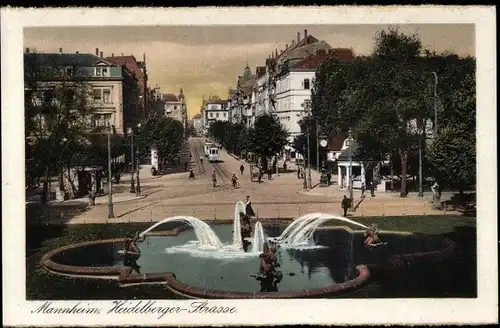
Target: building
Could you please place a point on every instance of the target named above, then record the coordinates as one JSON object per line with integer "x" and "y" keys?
{"x": 175, "y": 106}
{"x": 115, "y": 93}
{"x": 293, "y": 90}
{"x": 198, "y": 124}
{"x": 138, "y": 69}
{"x": 215, "y": 110}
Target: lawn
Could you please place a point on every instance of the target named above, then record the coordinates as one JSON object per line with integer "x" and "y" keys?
{"x": 42, "y": 285}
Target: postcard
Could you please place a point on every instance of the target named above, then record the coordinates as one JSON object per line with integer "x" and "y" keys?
{"x": 249, "y": 166}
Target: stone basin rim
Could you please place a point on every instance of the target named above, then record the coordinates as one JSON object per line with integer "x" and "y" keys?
{"x": 125, "y": 277}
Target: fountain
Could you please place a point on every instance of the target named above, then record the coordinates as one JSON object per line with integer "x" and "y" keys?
{"x": 301, "y": 230}
{"x": 238, "y": 208}
{"x": 258, "y": 238}
{"x": 205, "y": 235}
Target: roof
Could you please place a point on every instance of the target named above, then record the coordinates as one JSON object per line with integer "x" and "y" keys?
{"x": 344, "y": 155}
{"x": 313, "y": 62}
{"x": 305, "y": 41}
{"x": 260, "y": 71}
{"x": 130, "y": 62}
{"x": 63, "y": 59}
{"x": 336, "y": 142}
{"x": 218, "y": 101}
{"x": 169, "y": 97}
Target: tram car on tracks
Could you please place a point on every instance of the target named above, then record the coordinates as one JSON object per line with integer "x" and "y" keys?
{"x": 208, "y": 145}
{"x": 213, "y": 154}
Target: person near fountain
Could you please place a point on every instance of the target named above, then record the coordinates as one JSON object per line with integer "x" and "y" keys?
{"x": 248, "y": 207}
{"x": 242, "y": 168}
{"x": 345, "y": 204}
{"x": 130, "y": 246}
{"x": 371, "y": 236}
{"x": 363, "y": 189}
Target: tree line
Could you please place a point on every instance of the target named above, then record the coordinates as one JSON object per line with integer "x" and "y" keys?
{"x": 265, "y": 139}
{"x": 387, "y": 99}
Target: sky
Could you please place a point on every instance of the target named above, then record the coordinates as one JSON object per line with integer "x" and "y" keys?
{"x": 206, "y": 60}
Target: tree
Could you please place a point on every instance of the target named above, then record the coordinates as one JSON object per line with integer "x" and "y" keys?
{"x": 453, "y": 152}
{"x": 57, "y": 108}
{"x": 267, "y": 137}
{"x": 163, "y": 133}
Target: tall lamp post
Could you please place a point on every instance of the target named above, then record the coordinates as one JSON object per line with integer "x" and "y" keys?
{"x": 138, "y": 188}
{"x": 304, "y": 172}
{"x": 132, "y": 166}
{"x": 420, "y": 171}
{"x": 351, "y": 196}
{"x": 307, "y": 112}
{"x": 111, "y": 215}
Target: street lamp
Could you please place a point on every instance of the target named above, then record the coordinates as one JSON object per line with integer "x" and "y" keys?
{"x": 420, "y": 170}
{"x": 132, "y": 166}
{"x": 110, "y": 178}
{"x": 351, "y": 197}
{"x": 307, "y": 112}
{"x": 138, "y": 188}
{"x": 304, "y": 172}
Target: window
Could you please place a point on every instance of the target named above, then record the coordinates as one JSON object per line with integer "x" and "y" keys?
{"x": 106, "y": 96}
{"x": 175, "y": 107}
{"x": 69, "y": 71}
{"x": 101, "y": 71}
{"x": 97, "y": 95}
{"x": 101, "y": 120}
{"x": 306, "y": 84}
{"x": 211, "y": 114}
{"x": 225, "y": 114}
{"x": 217, "y": 115}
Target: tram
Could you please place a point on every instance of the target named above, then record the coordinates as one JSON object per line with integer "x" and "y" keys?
{"x": 213, "y": 154}
{"x": 208, "y": 145}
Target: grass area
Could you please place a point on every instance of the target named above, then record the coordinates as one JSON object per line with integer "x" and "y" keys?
{"x": 40, "y": 239}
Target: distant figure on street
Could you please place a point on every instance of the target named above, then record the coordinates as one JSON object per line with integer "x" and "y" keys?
{"x": 242, "y": 168}
{"x": 191, "y": 174}
{"x": 363, "y": 189}
{"x": 269, "y": 173}
{"x": 345, "y": 204}
{"x": 248, "y": 207}
{"x": 298, "y": 173}
{"x": 214, "y": 179}
{"x": 372, "y": 188}
{"x": 201, "y": 159}
{"x": 234, "y": 181}
{"x": 261, "y": 173}
{"x": 284, "y": 167}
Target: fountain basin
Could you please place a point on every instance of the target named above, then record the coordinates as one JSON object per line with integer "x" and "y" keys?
{"x": 100, "y": 259}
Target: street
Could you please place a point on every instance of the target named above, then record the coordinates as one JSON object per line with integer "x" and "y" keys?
{"x": 282, "y": 197}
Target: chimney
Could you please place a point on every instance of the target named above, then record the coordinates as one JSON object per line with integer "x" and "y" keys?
{"x": 144, "y": 56}
{"x": 286, "y": 47}
{"x": 97, "y": 51}
{"x": 305, "y": 34}
{"x": 27, "y": 50}
{"x": 298, "y": 37}
{"x": 101, "y": 54}
{"x": 122, "y": 54}
{"x": 112, "y": 55}
{"x": 276, "y": 53}
{"x": 293, "y": 42}
{"x": 60, "y": 50}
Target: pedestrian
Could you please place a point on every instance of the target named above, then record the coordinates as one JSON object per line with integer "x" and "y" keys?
{"x": 363, "y": 189}
{"x": 191, "y": 174}
{"x": 345, "y": 204}
{"x": 214, "y": 179}
{"x": 248, "y": 207}
{"x": 242, "y": 168}
{"x": 261, "y": 173}
{"x": 269, "y": 173}
{"x": 372, "y": 188}
{"x": 284, "y": 166}
{"x": 298, "y": 173}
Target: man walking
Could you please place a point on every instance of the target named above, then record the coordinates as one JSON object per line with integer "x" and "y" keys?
{"x": 242, "y": 168}
{"x": 345, "y": 204}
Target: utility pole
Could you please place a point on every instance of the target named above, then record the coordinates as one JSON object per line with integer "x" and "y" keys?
{"x": 111, "y": 215}
{"x": 132, "y": 166}
{"x": 351, "y": 197}
{"x": 318, "y": 165}
{"x": 420, "y": 174}
{"x": 309, "y": 158}
{"x": 304, "y": 169}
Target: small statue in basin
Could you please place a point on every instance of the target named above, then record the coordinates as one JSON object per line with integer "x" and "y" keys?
{"x": 269, "y": 276}
{"x": 245, "y": 230}
{"x": 371, "y": 237}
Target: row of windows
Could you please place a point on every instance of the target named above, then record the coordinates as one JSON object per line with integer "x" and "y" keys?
{"x": 103, "y": 95}
{"x": 286, "y": 85}
{"x": 211, "y": 115}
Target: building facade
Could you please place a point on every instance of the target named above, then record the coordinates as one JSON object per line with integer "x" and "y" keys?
{"x": 175, "y": 106}
{"x": 115, "y": 93}
{"x": 215, "y": 110}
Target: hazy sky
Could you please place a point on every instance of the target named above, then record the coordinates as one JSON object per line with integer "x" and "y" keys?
{"x": 207, "y": 60}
